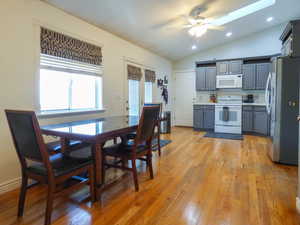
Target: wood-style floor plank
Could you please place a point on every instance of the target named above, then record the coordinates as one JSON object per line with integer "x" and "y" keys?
{"x": 198, "y": 181}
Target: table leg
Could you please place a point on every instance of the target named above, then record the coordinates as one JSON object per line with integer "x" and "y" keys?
{"x": 97, "y": 153}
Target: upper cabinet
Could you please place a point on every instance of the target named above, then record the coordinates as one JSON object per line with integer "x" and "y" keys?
{"x": 229, "y": 67}
{"x": 206, "y": 78}
{"x": 255, "y": 76}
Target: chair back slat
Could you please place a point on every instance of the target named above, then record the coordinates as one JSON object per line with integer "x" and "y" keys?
{"x": 148, "y": 120}
{"x": 24, "y": 133}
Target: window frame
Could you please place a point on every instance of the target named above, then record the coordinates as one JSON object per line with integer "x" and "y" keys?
{"x": 98, "y": 97}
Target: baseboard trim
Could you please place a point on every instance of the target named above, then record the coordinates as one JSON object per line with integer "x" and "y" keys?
{"x": 298, "y": 204}
{"x": 10, "y": 185}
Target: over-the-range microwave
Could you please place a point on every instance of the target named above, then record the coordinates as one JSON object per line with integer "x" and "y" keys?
{"x": 229, "y": 81}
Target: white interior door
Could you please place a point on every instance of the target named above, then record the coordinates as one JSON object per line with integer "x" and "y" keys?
{"x": 184, "y": 97}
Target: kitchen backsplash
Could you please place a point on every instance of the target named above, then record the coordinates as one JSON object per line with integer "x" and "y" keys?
{"x": 203, "y": 97}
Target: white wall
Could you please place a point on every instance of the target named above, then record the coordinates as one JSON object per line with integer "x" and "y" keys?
{"x": 258, "y": 44}
{"x": 19, "y": 63}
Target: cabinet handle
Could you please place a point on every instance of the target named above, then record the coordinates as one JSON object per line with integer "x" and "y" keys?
{"x": 298, "y": 118}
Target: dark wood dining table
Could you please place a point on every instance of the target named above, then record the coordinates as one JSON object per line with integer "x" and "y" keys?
{"x": 96, "y": 132}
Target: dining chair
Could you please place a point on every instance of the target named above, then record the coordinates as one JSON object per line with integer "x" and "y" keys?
{"x": 156, "y": 136}
{"x": 138, "y": 149}
{"x": 37, "y": 164}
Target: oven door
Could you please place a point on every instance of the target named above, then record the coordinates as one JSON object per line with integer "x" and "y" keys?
{"x": 227, "y": 115}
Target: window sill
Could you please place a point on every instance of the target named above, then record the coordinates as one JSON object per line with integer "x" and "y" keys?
{"x": 63, "y": 113}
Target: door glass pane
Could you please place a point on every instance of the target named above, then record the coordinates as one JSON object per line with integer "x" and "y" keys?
{"x": 148, "y": 92}
{"x": 54, "y": 90}
{"x": 83, "y": 92}
{"x": 133, "y": 98}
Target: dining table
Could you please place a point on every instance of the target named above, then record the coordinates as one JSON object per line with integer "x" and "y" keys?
{"x": 95, "y": 132}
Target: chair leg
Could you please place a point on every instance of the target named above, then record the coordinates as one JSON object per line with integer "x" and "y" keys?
{"x": 149, "y": 162}
{"x": 92, "y": 184}
{"x": 103, "y": 168}
{"x": 135, "y": 175}
{"x": 49, "y": 207}
{"x": 158, "y": 145}
{"x": 22, "y": 196}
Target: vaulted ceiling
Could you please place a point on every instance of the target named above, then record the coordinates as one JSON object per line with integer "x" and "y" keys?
{"x": 157, "y": 25}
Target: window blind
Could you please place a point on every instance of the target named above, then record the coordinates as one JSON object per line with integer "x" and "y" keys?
{"x": 67, "y": 65}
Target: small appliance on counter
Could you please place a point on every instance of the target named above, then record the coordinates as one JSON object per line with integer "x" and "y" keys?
{"x": 212, "y": 98}
{"x": 248, "y": 99}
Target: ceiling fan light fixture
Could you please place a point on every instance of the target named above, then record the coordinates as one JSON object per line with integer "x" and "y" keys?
{"x": 198, "y": 31}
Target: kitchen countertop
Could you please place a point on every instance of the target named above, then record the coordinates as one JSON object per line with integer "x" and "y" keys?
{"x": 210, "y": 103}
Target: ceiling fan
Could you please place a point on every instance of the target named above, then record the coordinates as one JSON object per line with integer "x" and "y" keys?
{"x": 197, "y": 24}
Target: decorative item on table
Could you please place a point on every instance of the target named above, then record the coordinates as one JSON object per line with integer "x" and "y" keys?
{"x": 213, "y": 98}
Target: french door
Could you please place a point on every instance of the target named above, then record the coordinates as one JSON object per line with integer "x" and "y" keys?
{"x": 137, "y": 93}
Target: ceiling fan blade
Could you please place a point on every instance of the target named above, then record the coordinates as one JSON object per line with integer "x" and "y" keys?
{"x": 187, "y": 26}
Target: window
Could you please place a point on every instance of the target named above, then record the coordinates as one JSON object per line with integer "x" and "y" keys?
{"x": 148, "y": 92}
{"x": 134, "y": 97}
{"x": 69, "y": 85}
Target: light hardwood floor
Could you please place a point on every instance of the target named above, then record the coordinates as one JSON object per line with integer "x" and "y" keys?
{"x": 198, "y": 181}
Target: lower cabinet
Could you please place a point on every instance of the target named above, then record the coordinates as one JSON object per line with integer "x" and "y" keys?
{"x": 255, "y": 120}
{"x": 204, "y": 117}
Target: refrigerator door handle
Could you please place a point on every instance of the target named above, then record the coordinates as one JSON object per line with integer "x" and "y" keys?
{"x": 267, "y": 95}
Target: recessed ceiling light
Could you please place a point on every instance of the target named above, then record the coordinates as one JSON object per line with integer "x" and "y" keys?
{"x": 270, "y": 19}
{"x": 194, "y": 47}
{"x": 228, "y": 34}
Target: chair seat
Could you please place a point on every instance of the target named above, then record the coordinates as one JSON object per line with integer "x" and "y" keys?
{"x": 124, "y": 150}
{"x": 55, "y": 146}
{"x": 61, "y": 165}
{"x": 80, "y": 154}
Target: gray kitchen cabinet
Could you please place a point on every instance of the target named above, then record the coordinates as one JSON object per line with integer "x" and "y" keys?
{"x": 204, "y": 117}
{"x": 206, "y": 78}
{"x": 260, "y": 120}
{"x": 198, "y": 119}
{"x": 255, "y": 120}
{"x": 223, "y": 68}
{"x": 249, "y": 76}
{"x": 247, "y": 121}
{"x": 229, "y": 67}
{"x": 255, "y": 76}
{"x": 235, "y": 67}
{"x": 209, "y": 119}
{"x": 262, "y": 73}
{"x": 200, "y": 79}
{"x": 210, "y": 78}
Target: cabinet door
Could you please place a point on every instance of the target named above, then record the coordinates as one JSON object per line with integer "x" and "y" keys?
{"x": 210, "y": 78}
{"x": 262, "y": 73}
{"x": 209, "y": 119}
{"x": 261, "y": 122}
{"x": 198, "y": 119}
{"x": 222, "y": 68}
{"x": 247, "y": 121}
{"x": 235, "y": 67}
{"x": 249, "y": 76}
{"x": 200, "y": 79}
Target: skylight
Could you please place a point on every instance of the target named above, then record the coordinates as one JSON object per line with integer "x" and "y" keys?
{"x": 245, "y": 11}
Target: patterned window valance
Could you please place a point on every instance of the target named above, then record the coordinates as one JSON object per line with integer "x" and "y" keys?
{"x": 150, "y": 76}
{"x": 134, "y": 73}
{"x": 60, "y": 45}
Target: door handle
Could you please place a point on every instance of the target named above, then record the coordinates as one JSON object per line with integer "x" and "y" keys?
{"x": 298, "y": 118}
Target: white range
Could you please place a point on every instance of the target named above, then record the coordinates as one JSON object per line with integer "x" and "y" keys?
{"x": 228, "y": 114}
